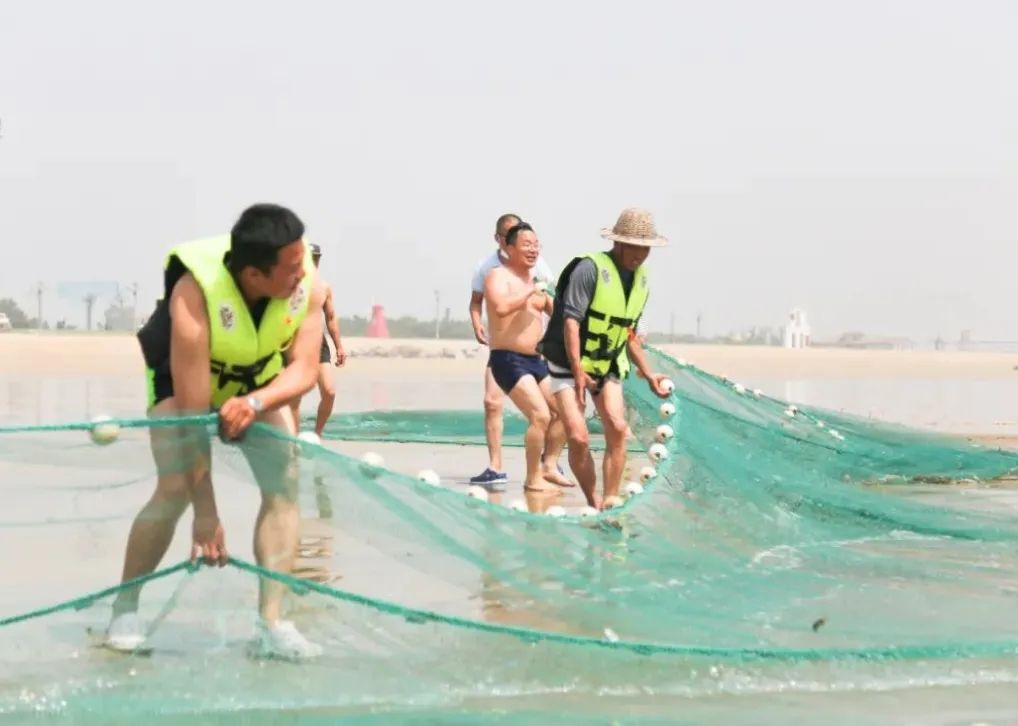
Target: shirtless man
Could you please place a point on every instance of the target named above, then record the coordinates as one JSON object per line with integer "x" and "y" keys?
{"x": 326, "y": 387}
{"x": 493, "y": 478}
{"x": 515, "y": 307}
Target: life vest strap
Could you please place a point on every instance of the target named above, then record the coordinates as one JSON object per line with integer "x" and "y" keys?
{"x": 245, "y": 375}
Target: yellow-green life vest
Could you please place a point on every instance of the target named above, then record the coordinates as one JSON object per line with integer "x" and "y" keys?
{"x": 242, "y": 357}
{"x": 610, "y": 318}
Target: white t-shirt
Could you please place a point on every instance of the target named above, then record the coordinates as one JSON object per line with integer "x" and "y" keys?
{"x": 541, "y": 271}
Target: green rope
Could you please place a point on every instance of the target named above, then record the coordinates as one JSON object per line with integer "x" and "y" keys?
{"x": 80, "y": 603}
{"x": 124, "y": 423}
{"x": 530, "y": 635}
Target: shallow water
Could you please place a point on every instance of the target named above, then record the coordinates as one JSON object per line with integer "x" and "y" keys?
{"x": 962, "y": 405}
{"x": 63, "y": 560}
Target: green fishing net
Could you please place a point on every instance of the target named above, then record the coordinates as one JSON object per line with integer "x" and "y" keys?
{"x": 772, "y": 547}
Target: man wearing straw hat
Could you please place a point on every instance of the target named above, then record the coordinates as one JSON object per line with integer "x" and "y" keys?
{"x": 592, "y": 338}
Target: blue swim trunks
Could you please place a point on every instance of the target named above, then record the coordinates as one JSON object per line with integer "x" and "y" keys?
{"x": 508, "y": 367}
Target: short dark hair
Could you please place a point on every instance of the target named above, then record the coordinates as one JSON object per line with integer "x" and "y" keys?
{"x": 258, "y": 235}
{"x": 505, "y": 218}
{"x": 514, "y": 232}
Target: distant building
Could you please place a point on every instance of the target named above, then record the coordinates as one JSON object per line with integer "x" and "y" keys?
{"x": 797, "y": 331}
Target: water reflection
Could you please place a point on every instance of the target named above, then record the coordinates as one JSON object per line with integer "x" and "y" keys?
{"x": 964, "y": 406}
{"x": 948, "y": 405}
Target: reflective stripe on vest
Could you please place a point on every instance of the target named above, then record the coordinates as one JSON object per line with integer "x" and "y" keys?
{"x": 241, "y": 356}
{"x": 606, "y": 329}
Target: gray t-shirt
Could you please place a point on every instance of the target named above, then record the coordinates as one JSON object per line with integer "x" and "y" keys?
{"x": 580, "y": 289}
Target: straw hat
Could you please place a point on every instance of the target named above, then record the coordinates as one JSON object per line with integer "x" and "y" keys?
{"x": 635, "y": 227}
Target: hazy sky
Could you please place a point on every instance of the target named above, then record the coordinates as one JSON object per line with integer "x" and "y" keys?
{"x": 858, "y": 159}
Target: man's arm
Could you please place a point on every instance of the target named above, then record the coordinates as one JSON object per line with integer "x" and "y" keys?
{"x": 192, "y": 390}
{"x": 332, "y": 323}
{"x": 189, "y": 347}
{"x": 476, "y": 298}
{"x": 575, "y": 301}
{"x": 638, "y": 355}
{"x": 549, "y": 304}
{"x": 641, "y": 329}
{"x": 301, "y": 374}
{"x": 572, "y": 340}
{"x": 498, "y": 297}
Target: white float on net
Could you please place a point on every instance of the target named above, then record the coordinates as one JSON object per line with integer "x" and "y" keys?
{"x": 633, "y": 488}
{"x": 429, "y": 477}
{"x": 104, "y": 430}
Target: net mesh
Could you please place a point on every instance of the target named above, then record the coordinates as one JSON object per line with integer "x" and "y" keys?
{"x": 774, "y": 544}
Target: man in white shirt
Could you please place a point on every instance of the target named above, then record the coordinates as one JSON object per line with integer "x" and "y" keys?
{"x": 493, "y": 477}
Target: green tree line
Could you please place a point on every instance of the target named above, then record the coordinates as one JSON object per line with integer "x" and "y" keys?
{"x": 408, "y": 326}
{"x": 17, "y": 316}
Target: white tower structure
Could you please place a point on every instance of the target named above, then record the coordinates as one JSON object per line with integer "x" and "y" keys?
{"x": 797, "y": 332}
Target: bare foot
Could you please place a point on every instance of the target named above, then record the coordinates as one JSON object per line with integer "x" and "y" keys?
{"x": 556, "y": 477}
{"x": 314, "y": 552}
{"x": 322, "y": 575}
{"x": 540, "y": 486}
{"x": 610, "y": 502}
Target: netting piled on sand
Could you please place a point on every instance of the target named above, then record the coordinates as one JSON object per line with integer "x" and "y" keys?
{"x": 772, "y": 544}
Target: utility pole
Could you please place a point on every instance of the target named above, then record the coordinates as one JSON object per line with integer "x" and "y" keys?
{"x": 438, "y": 321}
{"x": 89, "y": 302}
{"x": 698, "y": 316}
{"x": 38, "y": 305}
{"x": 134, "y": 305}
{"x": 671, "y": 328}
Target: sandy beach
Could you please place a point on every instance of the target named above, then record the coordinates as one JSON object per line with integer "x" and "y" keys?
{"x": 118, "y": 354}
{"x": 53, "y": 376}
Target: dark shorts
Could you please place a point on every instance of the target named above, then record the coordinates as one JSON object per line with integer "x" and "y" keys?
{"x": 508, "y": 367}
{"x": 325, "y": 355}
{"x": 160, "y": 384}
